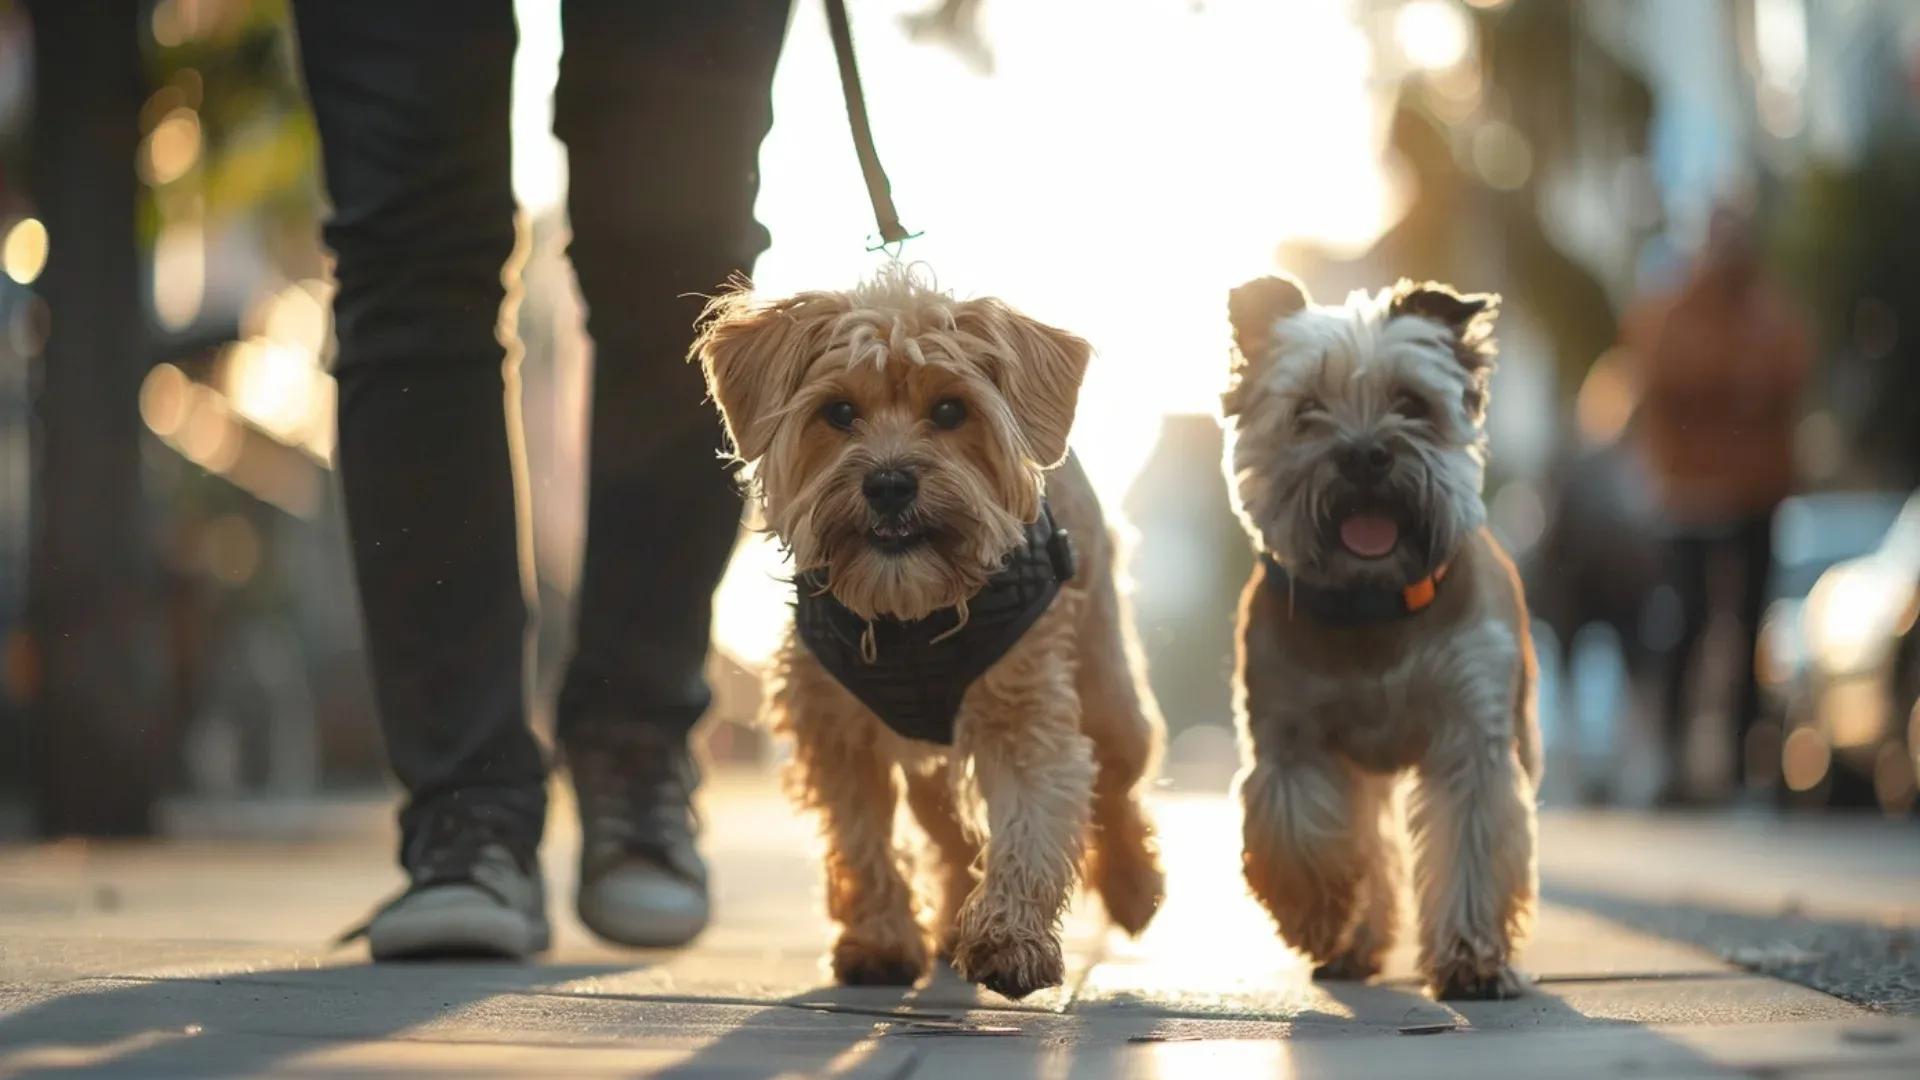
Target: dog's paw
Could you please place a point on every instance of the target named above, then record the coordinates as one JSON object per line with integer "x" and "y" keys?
{"x": 1365, "y": 952}
{"x": 1463, "y": 983}
{"x": 1353, "y": 965}
{"x": 1013, "y": 967}
{"x": 1131, "y": 887}
{"x": 859, "y": 961}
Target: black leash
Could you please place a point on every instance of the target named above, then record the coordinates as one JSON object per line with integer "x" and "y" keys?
{"x": 879, "y": 190}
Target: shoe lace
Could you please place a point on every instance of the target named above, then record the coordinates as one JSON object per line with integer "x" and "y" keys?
{"x": 635, "y": 789}
{"x": 453, "y": 839}
{"x": 445, "y": 850}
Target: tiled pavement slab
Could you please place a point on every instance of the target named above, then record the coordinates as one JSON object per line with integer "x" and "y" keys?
{"x": 209, "y": 959}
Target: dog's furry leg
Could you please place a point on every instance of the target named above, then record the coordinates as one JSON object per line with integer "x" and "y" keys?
{"x": 1305, "y": 851}
{"x": 1118, "y": 713}
{"x": 930, "y": 794}
{"x": 840, "y": 773}
{"x": 1473, "y": 832}
{"x": 1378, "y": 916}
{"x": 1035, "y": 770}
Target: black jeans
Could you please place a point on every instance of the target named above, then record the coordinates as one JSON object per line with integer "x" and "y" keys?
{"x": 662, "y": 107}
{"x": 1750, "y": 543}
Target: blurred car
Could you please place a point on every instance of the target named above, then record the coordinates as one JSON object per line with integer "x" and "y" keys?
{"x": 1839, "y": 655}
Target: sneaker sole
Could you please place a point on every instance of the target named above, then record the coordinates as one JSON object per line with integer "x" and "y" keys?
{"x": 650, "y": 931}
{"x": 459, "y": 935}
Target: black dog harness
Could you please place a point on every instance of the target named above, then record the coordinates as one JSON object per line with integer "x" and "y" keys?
{"x": 913, "y": 674}
{"x": 1352, "y": 605}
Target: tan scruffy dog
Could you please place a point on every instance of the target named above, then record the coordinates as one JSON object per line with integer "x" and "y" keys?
{"x": 1384, "y": 634}
{"x": 911, "y": 452}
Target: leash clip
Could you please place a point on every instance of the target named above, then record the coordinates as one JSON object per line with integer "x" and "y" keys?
{"x": 879, "y": 189}
{"x": 893, "y": 246}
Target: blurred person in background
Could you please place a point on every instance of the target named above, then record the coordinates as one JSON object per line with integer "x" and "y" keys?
{"x": 1722, "y": 362}
{"x": 662, "y": 108}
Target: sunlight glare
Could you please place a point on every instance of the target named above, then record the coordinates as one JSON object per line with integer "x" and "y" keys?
{"x": 1116, "y": 175}
{"x": 1432, "y": 34}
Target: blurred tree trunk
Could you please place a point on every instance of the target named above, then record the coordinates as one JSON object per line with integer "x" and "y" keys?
{"x": 94, "y": 725}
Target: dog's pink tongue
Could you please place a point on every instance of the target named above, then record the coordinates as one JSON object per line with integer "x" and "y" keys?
{"x": 1369, "y": 536}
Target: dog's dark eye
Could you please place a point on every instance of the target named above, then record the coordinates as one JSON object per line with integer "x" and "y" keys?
{"x": 948, "y": 413}
{"x": 840, "y": 414}
{"x": 1411, "y": 406}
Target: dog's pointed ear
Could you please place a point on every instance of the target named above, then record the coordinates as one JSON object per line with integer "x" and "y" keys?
{"x": 1462, "y": 313}
{"x": 1255, "y": 306}
{"x": 1038, "y": 367}
{"x": 755, "y": 354}
{"x": 1469, "y": 316}
{"x": 1253, "y": 310}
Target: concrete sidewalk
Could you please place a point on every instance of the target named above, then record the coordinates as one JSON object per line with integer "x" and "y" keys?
{"x": 209, "y": 958}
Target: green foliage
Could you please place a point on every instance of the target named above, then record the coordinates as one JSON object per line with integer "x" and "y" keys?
{"x": 259, "y": 152}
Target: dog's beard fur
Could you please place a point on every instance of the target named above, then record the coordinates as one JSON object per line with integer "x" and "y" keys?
{"x": 1406, "y": 369}
{"x": 971, "y": 510}
{"x": 893, "y": 347}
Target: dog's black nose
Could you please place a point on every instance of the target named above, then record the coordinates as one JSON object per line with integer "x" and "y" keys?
{"x": 889, "y": 491}
{"x": 1365, "y": 461}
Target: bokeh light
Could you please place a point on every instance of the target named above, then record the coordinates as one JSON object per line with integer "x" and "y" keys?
{"x": 208, "y": 436}
{"x": 1852, "y": 613}
{"x": 172, "y": 148}
{"x": 1432, "y": 34}
{"x": 164, "y": 399}
{"x": 23, "y": 253}
{"x": 1519, "y": 515}
{"x": 1804, "y": 759}
{"x": 179, "y": 273}
{"x": 271, "y": 384}
{"x": 1605, "y": 400}
{"x": 1853, "y": 712}
{"x": 1502, "y": 156}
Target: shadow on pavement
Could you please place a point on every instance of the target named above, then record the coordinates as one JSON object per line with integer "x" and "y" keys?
{"x": 822, "y": 1050}
{"x": 260, "y": 1023}
{"x": 247, "y": 1024}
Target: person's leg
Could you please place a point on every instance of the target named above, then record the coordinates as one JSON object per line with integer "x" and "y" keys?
{"x": 662, "y": 108}
{"x": 412, "y": 106}
{"x": 1755, "y": 542}
{"x": 1688, "y": 569}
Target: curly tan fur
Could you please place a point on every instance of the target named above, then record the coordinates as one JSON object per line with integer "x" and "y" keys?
{"x": 1052, "y": 744}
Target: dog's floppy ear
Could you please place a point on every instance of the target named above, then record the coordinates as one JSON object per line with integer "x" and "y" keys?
{"x": 1038, "y": 367}
{"x": 1253, "y": 309}
{"x": 1469, "y": 316}
{"x": 755, "y": 355}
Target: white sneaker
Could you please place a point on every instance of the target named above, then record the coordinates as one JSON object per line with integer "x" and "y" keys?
{"x": 470, "y": 897}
